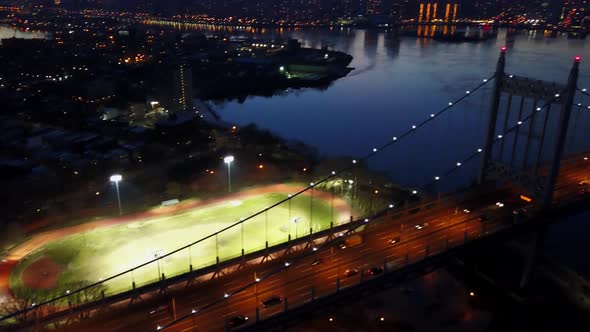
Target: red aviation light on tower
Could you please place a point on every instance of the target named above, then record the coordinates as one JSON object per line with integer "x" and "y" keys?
{"x": 504, "y": 48}
{"x": 577, "y": 58}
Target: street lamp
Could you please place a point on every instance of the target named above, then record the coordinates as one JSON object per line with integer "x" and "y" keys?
{"x": 228, "y": 160}
{"x": 157, "y": 255}
{"x": 116, "y": 178}
{"x": 296, "y": 221}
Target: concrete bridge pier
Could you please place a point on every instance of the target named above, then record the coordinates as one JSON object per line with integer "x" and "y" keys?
{"x": 535, "y": 249}
{"x": 559, "y": 145}
{"x": 493, "y": 117}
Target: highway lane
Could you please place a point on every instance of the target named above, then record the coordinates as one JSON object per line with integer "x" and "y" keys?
{"x": 446, "y": 222}
{"x": 362, "y": 262}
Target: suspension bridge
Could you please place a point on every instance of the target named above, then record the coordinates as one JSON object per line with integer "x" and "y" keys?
{"x": 527, "y": 178}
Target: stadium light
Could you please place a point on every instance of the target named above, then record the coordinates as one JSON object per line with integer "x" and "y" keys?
{"x": 228, "y": 160}
{"x": 116, "y": 178}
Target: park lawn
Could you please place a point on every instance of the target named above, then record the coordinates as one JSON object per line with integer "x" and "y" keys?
{"x": 100, "y": 253}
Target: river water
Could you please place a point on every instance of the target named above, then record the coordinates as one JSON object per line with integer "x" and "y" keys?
{"x": 399, "y": 81}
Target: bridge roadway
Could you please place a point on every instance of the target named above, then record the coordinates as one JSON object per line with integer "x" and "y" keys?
{"x": 445, "y": 225}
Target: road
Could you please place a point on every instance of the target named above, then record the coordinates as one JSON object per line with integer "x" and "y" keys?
{"x": 442, "y": 226}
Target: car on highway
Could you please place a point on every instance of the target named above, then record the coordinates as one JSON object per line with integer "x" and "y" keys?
{"x": 483, "y": 218}
{"x": 583, "y": 183}
{"x": 349, "y": 242}
{"x": 342, "y": 245}
{"x": 237, "y": 321}
{"x": 350, "y": 272}
{"x": 374, "y": 271}
{"x": 420, "y": 226}
{"x": 271, "y": 301}
{"x": 395, "y": 240}
{"x": 467, "y": 211}
{"x": 157, "y": 309}
{"x": 316, "y": 262}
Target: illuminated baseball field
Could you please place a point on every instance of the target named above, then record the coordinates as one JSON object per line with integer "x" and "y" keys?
{"x": 99, "y": 253}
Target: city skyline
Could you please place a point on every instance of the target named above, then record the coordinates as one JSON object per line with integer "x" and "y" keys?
{"x": 569, "y": 12}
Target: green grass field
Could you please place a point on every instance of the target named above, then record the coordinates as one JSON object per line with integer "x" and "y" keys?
{"x": 102, "y": 252}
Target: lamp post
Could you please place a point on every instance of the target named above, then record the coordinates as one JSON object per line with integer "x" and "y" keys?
{"x": 228, "y": 160}
{"x": 116, "y": 178}
{"x": 352, "y": 192}
{"x": 296, "y": 221}
{"x": 256, "y": 280}
{"x": 157, "y": 255}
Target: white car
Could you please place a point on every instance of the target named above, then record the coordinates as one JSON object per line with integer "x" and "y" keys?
{"x": 395, "y": 240}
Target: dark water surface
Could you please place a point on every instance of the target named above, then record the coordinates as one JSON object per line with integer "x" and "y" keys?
{"x": 399, "y": 81}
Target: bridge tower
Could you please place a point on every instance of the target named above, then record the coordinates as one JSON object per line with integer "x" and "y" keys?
{"x": 542, "y": 111}
{"x": 530, "y": 157}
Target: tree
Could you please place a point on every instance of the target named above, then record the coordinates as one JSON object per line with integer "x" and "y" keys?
{"x": 87, "y": 295}
{"x": 53, "y": 307}
{"x": 20, "y": 305}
